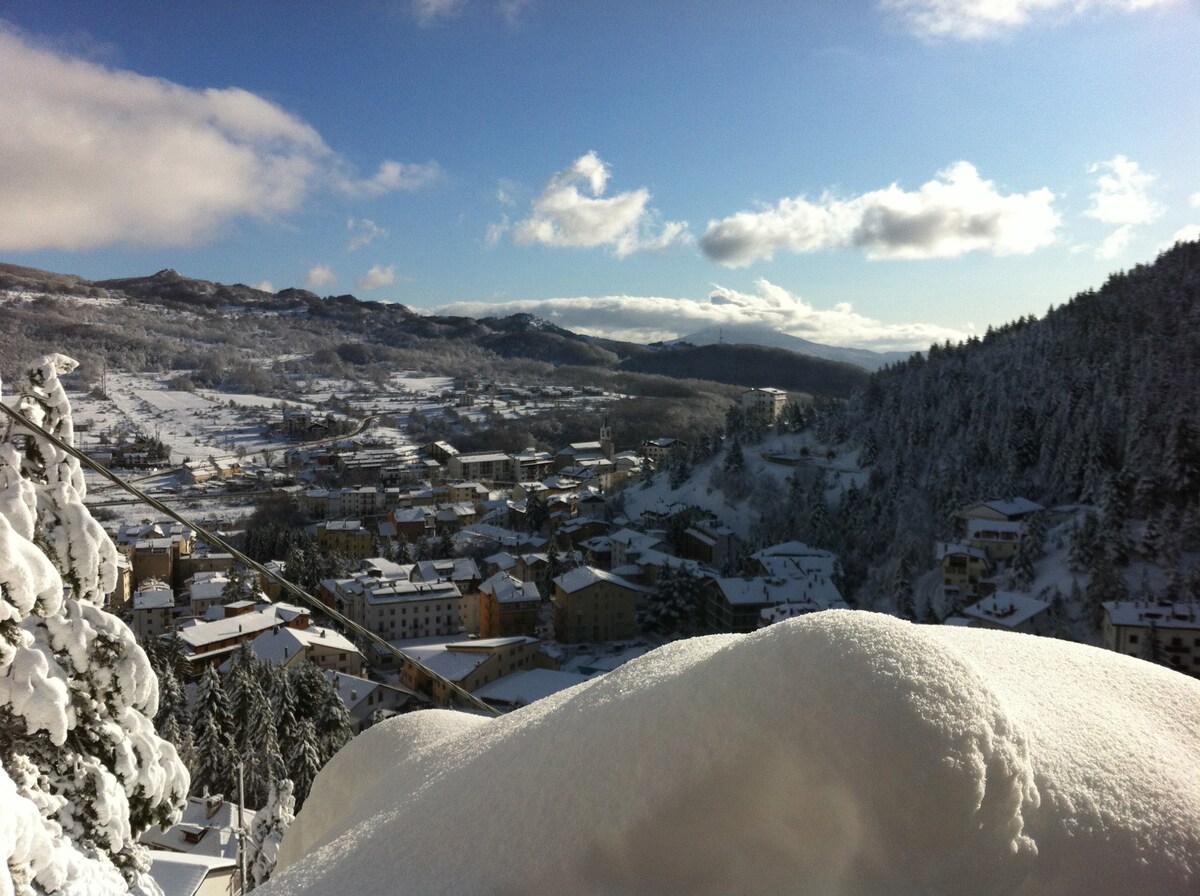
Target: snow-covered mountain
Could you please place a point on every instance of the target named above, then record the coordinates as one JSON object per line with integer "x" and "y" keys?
{"x": 749, "y": 334}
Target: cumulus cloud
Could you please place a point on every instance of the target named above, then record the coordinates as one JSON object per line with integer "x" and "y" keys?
{"x": 981, "y": 19}
{"x": 93, "y": 156}
{"x": 265, "y": 286}
{"x": 1122, "y": 197}
{"x": 1186, "y": 234}
{"x": 562, "y": 215}
{"x": 1122, "y": 193}
{"x": 376, "y": 277}
{"x": 363, "y": 232}
{"x": 652, "y": 318}
{"x": 956, "y": 213}
{"x": 320, "y": 275}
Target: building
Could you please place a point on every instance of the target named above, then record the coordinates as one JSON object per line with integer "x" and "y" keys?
{"x": 468, "y": 664}
{"x": 323, "y": 647}
{"x": 710, "y": 542}
{"x": 350, "y": 538}
{"x": 208, "y": 827}
{"x": 998, "y": 539}
{"x": 368, "y": 701}
{"x": 486, "y": 466}
{"x": 153, "y": 610}
{"x": 508, "y": 607}
{"x": 1010, "y": 611}
{"x": 962, "y": 567}
{"x": 746, "y": 603}
{"x": 1157, "y": 630}
{"x": 384, "y": 598}
{"x": 212, "y": 641}
{"x": 593, "y": 605}
{"x": 764, "y": 405}
{"x": 655, "y": 450}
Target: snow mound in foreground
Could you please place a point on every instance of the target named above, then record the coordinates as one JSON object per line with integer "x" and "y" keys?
{"x": 843, "y": 752}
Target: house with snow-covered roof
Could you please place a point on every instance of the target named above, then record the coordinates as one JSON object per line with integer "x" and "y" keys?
{"x": 212, "y": 641}
{"x": 153, "y": 608}
{"x": 527, "y": 686}
{"x": 508, "y": 606}
{"x": 323, "y": 647}
{"x": 746, "y": 603}
{"x": 186, "y": 874}
{"x": 208, "y": 826}
{"x": 1011, "y": 510}
{"x": 999, "y": 539}
{"x": 468, "y": 664}
{"x": 1164, "y": 631}
{"x": 594, "y": 605}
{"x": 368, "y": 701}
{"x": 1011, "y": 611}
{"x": 350, "y": 538}
{"x": 962, "y": 567}
{"x": 765, "y": 403}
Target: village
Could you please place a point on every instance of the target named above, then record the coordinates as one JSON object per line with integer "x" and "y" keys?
{"x": 516, "y": 575}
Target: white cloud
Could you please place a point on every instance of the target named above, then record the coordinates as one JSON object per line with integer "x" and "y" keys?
{"x": 320, "y": 275}
{"x": 956, "y": 213}
{"x": 651, "y": 318}
{"x": 265, "y": 286}
{"x": 434, "y": 12}
{"x": 563, "y": 216}
{"x": 391, "y": 176}
{"x": 978, "y": 19}
{"x": 431, "y": 12}
{"x": 363, "y": 232}
{"x": 1194, "y": 200}
{"x": 1187, "y": 234}
{"x": 93, "y": 156}
{"x": 376, "y": 277}
{"x": 1115, "y": 243}
{"x": 1122, "y": 193}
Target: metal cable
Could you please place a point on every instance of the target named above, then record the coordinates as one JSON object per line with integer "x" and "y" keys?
{"x": 213, "y": 539}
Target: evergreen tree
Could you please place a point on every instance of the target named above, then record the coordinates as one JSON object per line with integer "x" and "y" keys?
{"x": 77, "y": 694}
{"x": 672, "y": 606}
{"x": 266, "y": 833}
{"x": 213, "y": 738}
{"x": 735, "y": 460}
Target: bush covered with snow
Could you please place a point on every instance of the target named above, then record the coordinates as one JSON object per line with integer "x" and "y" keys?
{"x": 838, "y": 753}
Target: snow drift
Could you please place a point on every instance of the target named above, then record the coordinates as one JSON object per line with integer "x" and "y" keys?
{"x": 839, "y": 753}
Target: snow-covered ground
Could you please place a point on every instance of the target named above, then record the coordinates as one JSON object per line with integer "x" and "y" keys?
{"x": 839, "y": 753}
{"x": 739, "y": 515}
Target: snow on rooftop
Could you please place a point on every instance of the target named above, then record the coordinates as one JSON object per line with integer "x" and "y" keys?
{"x": 527, "y": 686}
{"x": 837, "y": 753}
{"x": 1007, "y": 608}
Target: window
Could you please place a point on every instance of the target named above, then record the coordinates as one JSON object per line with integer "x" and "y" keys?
{"x": 1133, "y": 639}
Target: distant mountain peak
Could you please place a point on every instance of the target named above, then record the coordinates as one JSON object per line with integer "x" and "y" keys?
{"x": 758, "y": 334}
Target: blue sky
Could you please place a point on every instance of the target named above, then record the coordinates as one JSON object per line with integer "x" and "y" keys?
{"x": 881, "y": 174}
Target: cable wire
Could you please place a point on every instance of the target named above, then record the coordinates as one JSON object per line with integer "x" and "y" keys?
{"x": 290, "y": 587}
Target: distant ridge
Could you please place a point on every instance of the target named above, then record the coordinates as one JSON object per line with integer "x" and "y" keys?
{"x": 750, "y": 334}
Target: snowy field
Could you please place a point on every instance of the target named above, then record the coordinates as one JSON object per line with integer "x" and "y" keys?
{"x": 840, "y": 753}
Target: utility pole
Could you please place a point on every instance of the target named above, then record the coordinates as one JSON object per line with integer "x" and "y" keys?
{"x": 242, "y": 824}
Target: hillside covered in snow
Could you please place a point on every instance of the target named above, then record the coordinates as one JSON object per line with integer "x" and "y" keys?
{"x": 841, "y": 753}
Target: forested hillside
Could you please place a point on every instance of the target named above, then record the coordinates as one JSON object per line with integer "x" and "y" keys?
{"x": 1095, "y": 403}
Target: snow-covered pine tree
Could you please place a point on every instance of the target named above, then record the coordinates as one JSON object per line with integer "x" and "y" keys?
{"x": 77, "y": 693}
{"x": 266, "y": 833}
{"x": 213, "y": 769}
